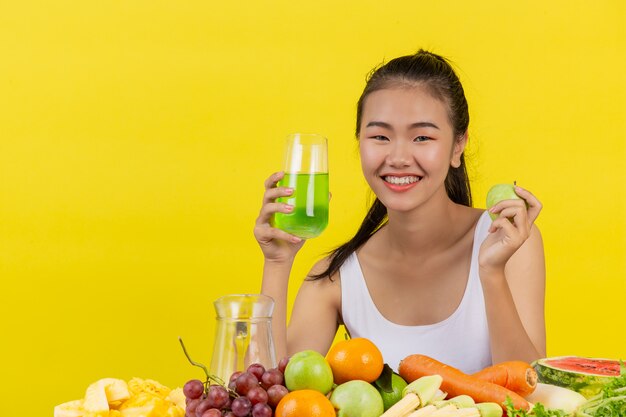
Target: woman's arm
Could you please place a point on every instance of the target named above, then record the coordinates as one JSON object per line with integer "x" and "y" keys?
{"x": 275, "y": 284}
{"x": 316, "y": 313}
{"x": 514, "y": 300}
{"x": 512, "y": 273}
{"x": 279, "y": 250}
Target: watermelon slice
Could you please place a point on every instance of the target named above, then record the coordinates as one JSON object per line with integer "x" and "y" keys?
{"x": 584, "y": 375}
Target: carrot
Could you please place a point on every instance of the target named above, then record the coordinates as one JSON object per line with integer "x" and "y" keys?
{"x": 456, "y": 382}
{"x": 518, "y": 376}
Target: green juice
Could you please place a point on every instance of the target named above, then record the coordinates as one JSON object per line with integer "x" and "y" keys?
{"x": 309, "y": 217}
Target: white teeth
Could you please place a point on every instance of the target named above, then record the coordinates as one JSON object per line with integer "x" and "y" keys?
{"x": 401, "y": 180}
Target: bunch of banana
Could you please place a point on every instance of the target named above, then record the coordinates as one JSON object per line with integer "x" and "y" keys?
{"x": 110, "y": 397}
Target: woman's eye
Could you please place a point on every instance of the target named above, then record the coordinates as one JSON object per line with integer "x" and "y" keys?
{"x": 379, "y": 137}
{"x": 421, "y": 139}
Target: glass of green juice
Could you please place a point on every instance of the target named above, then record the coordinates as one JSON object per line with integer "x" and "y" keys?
{"x": 306, "y": 171}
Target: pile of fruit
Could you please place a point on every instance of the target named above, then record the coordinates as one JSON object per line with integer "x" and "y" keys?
{"x": 256, "y": 392}
{"x": 111, "y": 397}
{"x": 307, "y": 384}
{"x": 353, "y": 381}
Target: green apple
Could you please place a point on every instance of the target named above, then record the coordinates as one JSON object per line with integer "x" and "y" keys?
{"x": 498, "y": 193}
{"x": 308, "y": 370}
{"x": 357, "y": 398}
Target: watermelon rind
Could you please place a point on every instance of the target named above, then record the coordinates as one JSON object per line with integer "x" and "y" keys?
{"x": 586, "y": 383}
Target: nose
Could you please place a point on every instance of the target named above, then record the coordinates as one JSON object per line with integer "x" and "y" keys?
{"x": 399, "y": 155}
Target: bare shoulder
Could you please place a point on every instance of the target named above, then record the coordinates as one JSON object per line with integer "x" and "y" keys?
{"x": 327, "y": 288}
{"x": 468, "y": 218}
{"x": 316, "y": 312}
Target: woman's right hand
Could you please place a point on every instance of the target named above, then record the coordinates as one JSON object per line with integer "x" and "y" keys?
{"x": 277, "y": 245}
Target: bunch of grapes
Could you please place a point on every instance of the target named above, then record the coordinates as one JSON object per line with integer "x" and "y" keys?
{"x": 254, "y": 392}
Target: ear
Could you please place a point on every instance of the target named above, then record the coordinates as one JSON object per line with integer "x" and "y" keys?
{"x": 457, "y": 150}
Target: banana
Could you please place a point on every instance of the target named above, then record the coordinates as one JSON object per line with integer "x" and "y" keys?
{"x": 110, "y": 397}
{"x": 103, "y": 392}
{"x": 177, "y": 397}
{"x": 96, "y": 404}
{"x": 70, "y": 409}
{"x": 115, "y": 389}
{"x": 138, "y": 385}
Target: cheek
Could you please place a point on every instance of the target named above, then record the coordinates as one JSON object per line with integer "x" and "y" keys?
{"x": 438, "y": 155}
{"x": 368, "y": 156}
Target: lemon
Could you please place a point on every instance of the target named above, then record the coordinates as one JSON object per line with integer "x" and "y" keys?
{"x": 390, "y": 398}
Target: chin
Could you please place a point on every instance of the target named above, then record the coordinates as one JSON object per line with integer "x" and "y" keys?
{"x": 399, "y": 206}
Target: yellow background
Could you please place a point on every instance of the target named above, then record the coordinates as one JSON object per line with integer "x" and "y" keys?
{"x": 135, "y": 137}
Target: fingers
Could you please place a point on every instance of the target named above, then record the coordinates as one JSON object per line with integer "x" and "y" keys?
{"x": 268, "y": 210}
{"x": 271, "y": 194}
{"x": 519, "y": 217}
{"x": 515, "y": 220}
{"x": 273, "y": 179}
{"x": 534, "y": 205}
{"x": 266, "y": 233}
{"x": 504, "y": 204}
{"x": 514, "y": 236}
{"x": 529, "y": 203}
{"x": 263, "y": 229}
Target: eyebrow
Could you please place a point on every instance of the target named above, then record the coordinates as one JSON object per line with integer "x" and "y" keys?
{"x": 412, "y": 125}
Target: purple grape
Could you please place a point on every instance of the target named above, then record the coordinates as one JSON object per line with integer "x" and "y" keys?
{"x": 217, "y": 396}
{"x": 235, "y": 375}
{"x": 192, "y": 404}
{"x": 257, "y": 370}
{"x": 275, "y": 393}
{"x": 202, "y": 407}
{"x": 241, "y": 406}
{"x": 245, "y": 382}
{"x": 261, "y": 410}
{"x": 257, "y": 395}
{"x": 213, "y": 412}
{"x": 283, "y": 364}
{"x": 272, "y": 377}
{"x": 193, "y": 389}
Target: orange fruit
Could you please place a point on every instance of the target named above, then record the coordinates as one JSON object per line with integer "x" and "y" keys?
{"x": 356, "y": 358}
{"x": 305, "y": 403}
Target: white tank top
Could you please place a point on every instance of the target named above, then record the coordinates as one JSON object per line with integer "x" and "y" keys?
{"x": 461, "y": 340}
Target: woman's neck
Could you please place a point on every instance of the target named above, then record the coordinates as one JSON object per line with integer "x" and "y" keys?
{"x": 427, "y": 229}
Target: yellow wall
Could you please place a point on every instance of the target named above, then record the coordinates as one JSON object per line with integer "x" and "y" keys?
{"x": 135, "y": 137}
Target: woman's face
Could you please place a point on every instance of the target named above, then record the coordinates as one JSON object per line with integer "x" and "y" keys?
{"x": 406, "y": 145}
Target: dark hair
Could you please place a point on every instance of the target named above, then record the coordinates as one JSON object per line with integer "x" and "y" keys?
{"x": 436, "y": 73}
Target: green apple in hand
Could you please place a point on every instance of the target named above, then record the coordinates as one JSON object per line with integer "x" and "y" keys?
{"x": 357, "y": 399}
{"x": 498, "y": 193}
{"x": 308, "y": 370}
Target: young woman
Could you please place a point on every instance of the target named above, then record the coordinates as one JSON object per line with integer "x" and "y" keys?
{"x": 425, "y": 273}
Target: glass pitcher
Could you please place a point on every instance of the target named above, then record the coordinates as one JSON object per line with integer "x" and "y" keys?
{"x": 243, "y": 335}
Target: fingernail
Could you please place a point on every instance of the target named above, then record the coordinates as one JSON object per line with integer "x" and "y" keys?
{"x": 288, "y": 207}
{"x": 296, "y": 239}
{"x": 289, "y": 190}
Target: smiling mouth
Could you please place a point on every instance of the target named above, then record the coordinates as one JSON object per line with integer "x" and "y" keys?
{"x": 409, "y": 179}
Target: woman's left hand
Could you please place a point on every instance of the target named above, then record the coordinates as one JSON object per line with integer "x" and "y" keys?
{"x": 509, "y": 230}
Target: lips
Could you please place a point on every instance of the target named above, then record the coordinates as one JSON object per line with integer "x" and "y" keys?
{"x": 401, "y": 180}
{"x": 400, "y": 183}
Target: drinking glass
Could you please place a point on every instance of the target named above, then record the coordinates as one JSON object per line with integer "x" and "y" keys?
{"x": 243, "y": 335}
{"x": 306, "y": 171}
